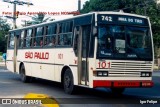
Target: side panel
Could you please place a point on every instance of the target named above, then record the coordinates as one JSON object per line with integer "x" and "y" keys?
{"x": 9, "y": 61}
{"x": 21, "y": 59}
{"x": 10, "y": 52}
{"x": 50, "y": 62}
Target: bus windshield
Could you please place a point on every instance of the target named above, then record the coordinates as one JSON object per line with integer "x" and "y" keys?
{"x": 124, "y": 42}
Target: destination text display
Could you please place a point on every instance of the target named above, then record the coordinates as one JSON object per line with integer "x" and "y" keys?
{"x": 122, "y": 19}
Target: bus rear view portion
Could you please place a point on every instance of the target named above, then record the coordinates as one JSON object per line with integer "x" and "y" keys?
{"x": 99, "y": 49}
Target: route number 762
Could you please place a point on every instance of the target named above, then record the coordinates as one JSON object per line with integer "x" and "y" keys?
{"x": 107, "y": 18}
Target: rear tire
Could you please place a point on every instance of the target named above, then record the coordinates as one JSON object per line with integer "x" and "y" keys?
{"x": 68, "y": 82}
{"x": 23, "y": 76}
{"x": 117, "y": 91}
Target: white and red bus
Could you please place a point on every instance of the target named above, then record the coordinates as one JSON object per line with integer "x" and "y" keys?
{"x": 99, "y": 49}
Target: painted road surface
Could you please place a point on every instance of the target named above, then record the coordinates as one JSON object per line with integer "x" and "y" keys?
{"x": 12, "y": 87}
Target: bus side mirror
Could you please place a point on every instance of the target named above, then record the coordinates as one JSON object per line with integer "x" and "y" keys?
{"x": 95, "y": 32}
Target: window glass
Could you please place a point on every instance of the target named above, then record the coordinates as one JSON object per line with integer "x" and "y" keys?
{"x": 28, "y": 39}
{"x": 85, "y": 40}
{"x": 119, "y": 35}
{"x": 50, "y": 40}
{"x": 69, "y": 26}
{"x": 38, "y": 40}
{"x": 65, "y": 39}
{"x": 60, "y": 28}
{"x": 51, "y": 30}
{"x": 64, "y": 28}
{"x": 65, "y": 34}
{"x": 54, "y": 29}
{"x": 21, "y": 39}
{"x": 50, "y": 37}
{"x": 11, "y": 40}
{"x": 124, "y": 42}
{"x": 39, "y": 31}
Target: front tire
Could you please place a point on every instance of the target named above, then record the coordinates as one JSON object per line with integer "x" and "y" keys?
{"x": 68, "y": 82}
{"x": 23, "y": 76}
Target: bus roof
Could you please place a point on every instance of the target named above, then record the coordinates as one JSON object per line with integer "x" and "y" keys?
{"x": 90, "y": 13}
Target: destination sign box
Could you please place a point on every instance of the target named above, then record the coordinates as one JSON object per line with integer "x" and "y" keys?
{"x": 121, "y": 19}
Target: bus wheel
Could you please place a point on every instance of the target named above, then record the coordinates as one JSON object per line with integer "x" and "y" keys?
{"x": 23, "y": 76}
{"x": 68, "y": 83}
{"x": 117, "y": 91}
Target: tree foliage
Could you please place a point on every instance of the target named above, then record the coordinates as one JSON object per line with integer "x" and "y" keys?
{"x": 142, "y": 7}
{"x": 4, "y": 28}
{"x": 39, "y": 18}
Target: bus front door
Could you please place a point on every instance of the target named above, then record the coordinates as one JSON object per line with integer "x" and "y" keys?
{"x": 82, "y": 54}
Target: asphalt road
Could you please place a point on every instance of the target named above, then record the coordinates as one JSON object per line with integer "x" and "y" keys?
{"x": 12, "y": 87}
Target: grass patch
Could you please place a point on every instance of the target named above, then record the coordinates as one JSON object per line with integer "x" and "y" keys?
{"x": 1, "y": 53}
{"x": 1, "y": 59}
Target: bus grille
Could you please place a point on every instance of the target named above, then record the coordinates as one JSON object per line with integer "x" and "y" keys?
{"x": 129, "y": 69}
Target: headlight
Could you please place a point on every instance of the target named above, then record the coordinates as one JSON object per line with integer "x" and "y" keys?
{"x": 99, "y": 73}
{"x": 146, "y": 74}
{"x": 102, "y": 73}
{"x": 105, "y": 73}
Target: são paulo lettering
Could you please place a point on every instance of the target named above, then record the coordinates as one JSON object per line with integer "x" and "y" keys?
{"x": 37, "y": 55}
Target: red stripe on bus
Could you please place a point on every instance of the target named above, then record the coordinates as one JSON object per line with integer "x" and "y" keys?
{"x": 101, "y": 83}
{"x": 125, "y": 83}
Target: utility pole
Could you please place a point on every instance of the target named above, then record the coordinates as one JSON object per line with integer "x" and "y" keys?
{"x": 14, "y": 16}
{"x": 16, "y": 2}
{"x": 79, "y": 5}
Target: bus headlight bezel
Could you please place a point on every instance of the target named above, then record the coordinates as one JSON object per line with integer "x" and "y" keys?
{"x": 146, "y": 74}
{"x": 102, "y": 73}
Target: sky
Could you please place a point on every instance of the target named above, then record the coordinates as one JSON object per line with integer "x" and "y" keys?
{"x": 46, "y": 6}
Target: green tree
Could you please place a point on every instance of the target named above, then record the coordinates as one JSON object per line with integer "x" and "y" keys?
{"x": 4, "y": 28}
{"x": 39, "y": 18}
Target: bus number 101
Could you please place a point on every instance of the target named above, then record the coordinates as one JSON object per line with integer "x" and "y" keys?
{"x": 104, "y": 65}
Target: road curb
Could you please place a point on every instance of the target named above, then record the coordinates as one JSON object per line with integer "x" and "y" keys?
{"x": 45, "y": 99}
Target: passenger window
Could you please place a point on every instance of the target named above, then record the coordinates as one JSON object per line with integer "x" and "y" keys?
{"x": 28, "y": 39}
{"x": 38, "y": 40}
{"x": 21, "y": 39}
{"x": 64, "y": 28}
{"x": 11, "y": 40}
{"x": 50, "y": 37}
{"x": 69, "y": 26}
{"x": 50, "y": 40}
{"x": 65, "y": 34}
{"x": 65, "y": 39}
{"x": 60, "y": 28}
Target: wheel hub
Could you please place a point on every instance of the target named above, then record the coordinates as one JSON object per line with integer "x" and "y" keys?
{"x": 67, "y": 81}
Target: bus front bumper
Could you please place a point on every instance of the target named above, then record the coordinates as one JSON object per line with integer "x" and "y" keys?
{"x": 122, "y": 83}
